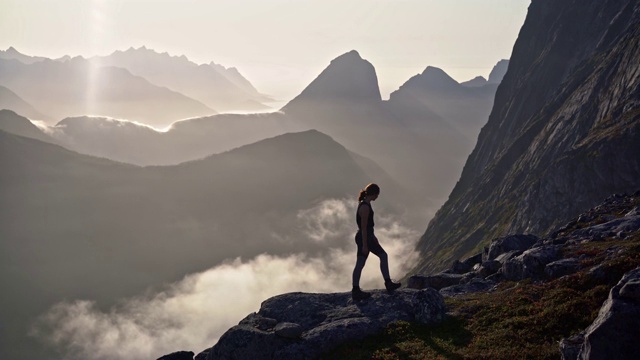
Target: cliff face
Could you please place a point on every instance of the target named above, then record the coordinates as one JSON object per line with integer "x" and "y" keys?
{"x": 563, "y": 133}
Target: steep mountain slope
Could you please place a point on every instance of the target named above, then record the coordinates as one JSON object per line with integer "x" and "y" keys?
{"x": 220, "y": 88}
{"x": 78, "y": 227}
{"x": 11, "y": 101}
{"x": 563, "y": 133}
{"x": 76, "y": 87}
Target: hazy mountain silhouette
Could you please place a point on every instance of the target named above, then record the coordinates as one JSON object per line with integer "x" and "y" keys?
{"x": 418, "y": 146}
{"x": 83, "y": 227}
{"x": 76, "y": 87}
{"x": 11, "y": 101}
{"x": 464, "y": 107}
{"x": 407, "y": 137}
{"x": 563, "y": 135}
{"x": 477, "y": 81}
{"x": 12, "y": 54}
{"x": 18, "y": 125}
{"x": 220, "y": 88}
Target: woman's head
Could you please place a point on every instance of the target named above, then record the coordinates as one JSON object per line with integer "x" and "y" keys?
{"x": 369, "y": 190}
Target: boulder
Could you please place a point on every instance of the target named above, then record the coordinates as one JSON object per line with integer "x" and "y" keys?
{"x": 489, "y": 268}
{"x": 561, "y": 267}
{"x": 437, "y": 281}
{"x": 570, "y": 347}
{"x": 325, "y": 321}
{"x": 616, "y": 330}
{"x": 509, "y": 243}
{"x": 473, "y": 286}
{"x": 178, "y": 355}
{"x": 461, "y": 267}
{"x": 531, "y": 264}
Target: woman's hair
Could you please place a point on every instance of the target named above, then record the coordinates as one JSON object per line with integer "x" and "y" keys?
{"x": 371, "y": 189}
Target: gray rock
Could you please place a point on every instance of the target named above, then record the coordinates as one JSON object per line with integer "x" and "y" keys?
{"x": 570, "y": 347}
{"x": 489, "y": 268}
{"x": 634, "y": 212}
{"x": 509, "y": 243}
{"x": 631, "y": 290}
{"x": 437, "y": 281}
{"x": 178, "y": 355}
{"x": 461, "y": 267}
{"x": 626, "y": 224}
{"x": 259, "y": 322}
{"x": 562, "y": 267}
{"x": 616, "y": 330}
{"x": 288, "y": 330}
{"x": 531, "y": 264}
{"x": 325, "y": 321}
{"x": 475, "y": 285}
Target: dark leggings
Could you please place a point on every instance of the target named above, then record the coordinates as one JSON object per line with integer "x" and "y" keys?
{"x": 376, "y": 249}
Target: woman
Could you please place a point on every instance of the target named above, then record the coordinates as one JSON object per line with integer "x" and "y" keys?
{"x": 367, "y": 242}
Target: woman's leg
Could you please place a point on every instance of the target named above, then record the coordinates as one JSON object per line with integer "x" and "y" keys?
{"x": 376, "y": 249}
{"x": 357, "y": 271}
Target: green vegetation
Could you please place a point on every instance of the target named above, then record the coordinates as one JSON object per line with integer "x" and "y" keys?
{"x": 522, "y": 320}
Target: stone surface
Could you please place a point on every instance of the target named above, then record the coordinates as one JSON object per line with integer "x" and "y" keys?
{"x": 531, "y": 264}
{"x": 570, "y": 347}
{"x": 616, "y": 331}
{"x": 326, "y": 321}
{"x": 437, "y": 281}
{"x": 288, "y": 330}
{"x": 509, "y": 243}
{"x": 178, "y": 355}
{"x": 473, "y": 286}
{"x": 561, "y": 268}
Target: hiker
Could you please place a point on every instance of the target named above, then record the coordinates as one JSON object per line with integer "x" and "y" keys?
{"x": 367, "y": 242}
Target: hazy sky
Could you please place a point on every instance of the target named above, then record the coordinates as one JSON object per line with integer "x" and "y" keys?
{"x": 279, "y": 45}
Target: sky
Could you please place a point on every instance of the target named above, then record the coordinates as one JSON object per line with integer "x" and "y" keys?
{"x": 278, "y": 45}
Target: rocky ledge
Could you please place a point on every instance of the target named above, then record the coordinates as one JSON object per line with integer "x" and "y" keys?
{"x": 306, "y": 326}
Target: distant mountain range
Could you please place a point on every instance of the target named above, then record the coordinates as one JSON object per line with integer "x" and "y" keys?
{"x": 220, "y": 88}
{"x": 137, "y": 84}
{"x": 421, "y": 135}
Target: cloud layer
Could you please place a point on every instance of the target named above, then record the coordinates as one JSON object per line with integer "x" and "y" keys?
{"x": 193, "y": 313}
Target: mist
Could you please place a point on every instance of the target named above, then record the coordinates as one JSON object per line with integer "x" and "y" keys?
{"x": 193, "y": 313}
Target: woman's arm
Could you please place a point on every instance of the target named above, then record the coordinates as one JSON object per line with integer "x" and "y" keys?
{"x": 364, "y": 219}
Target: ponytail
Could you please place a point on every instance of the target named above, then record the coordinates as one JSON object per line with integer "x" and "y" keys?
{"x": 371, "y": 189}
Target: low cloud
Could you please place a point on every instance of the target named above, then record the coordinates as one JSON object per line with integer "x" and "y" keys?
{"x": 193, "y": 313}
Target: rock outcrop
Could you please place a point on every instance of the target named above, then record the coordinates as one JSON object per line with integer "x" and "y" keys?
{"x": 305, "y": 326}
{"x": 564, "y": 132}
{"x": 518, "y": 257}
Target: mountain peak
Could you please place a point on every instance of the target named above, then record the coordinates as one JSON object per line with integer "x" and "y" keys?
{"x": 434, "y": 76}
{"x": 13, "y": 50}
{"x": 347, "y": 78}
{"x": 475, "y": 82}
{"x": 498, "y": 71}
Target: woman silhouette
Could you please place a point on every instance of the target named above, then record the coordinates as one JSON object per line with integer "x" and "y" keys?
{"x": 367, "y": 242}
